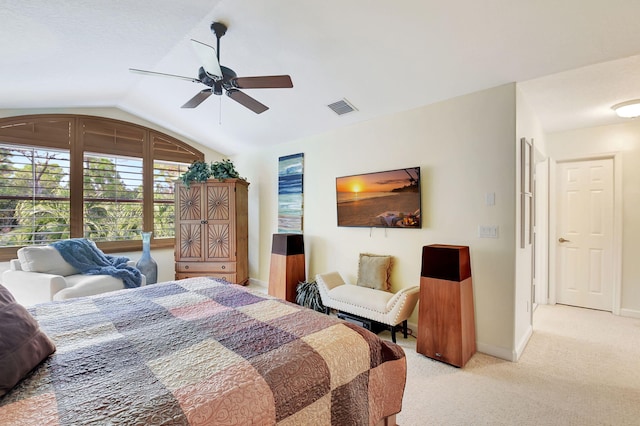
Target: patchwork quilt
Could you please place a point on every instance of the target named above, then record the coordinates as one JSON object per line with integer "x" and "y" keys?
{"x": 204, "y": 352}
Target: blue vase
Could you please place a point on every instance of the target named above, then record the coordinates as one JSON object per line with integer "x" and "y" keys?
{"x": 146, "y": 264}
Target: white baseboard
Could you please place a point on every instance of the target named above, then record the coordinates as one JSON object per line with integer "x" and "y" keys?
{"x": 258, "y": 283}
{"x": 631, "y": 313}
{"x": 498, "y": 352}
{"x": 522, "y": 344}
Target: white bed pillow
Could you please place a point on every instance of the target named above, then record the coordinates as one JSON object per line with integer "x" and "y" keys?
{"x": 44, "y": 259}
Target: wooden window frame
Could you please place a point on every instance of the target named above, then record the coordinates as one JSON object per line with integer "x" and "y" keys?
{"x": 80, "y": 133}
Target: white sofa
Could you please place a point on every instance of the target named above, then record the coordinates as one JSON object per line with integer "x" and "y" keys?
{"x": 40, "y": 274}
{"x": 381, "y": 306}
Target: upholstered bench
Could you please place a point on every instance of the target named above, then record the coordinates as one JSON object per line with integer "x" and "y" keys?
{"x": 381, "y": 306}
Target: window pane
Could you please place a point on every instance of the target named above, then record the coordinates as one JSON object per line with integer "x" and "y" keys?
{"x": 113, "y": 207}
{"x": 165, "y": 173}
{"x": 34, "y": 195}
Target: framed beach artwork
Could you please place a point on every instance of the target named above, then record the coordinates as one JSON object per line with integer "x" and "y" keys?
{"x": 290, "y": 193}
{"x": 380, "y": 199}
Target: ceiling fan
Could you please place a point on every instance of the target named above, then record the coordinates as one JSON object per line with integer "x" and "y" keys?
{"x": 221, "y": 79}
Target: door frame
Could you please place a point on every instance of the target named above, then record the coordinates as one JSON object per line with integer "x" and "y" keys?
{"x": 617, "y": 225}
{"x": 541, "y": 231}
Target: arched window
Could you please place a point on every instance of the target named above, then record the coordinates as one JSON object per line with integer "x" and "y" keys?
{"x": 71, "y": 176}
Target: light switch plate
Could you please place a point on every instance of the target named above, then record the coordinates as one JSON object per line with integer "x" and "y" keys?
{"x": 488, "y": 231}
{"x": 490, "y": 198}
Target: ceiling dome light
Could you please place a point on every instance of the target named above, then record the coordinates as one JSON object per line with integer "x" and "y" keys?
{"x": 629, "y": 109}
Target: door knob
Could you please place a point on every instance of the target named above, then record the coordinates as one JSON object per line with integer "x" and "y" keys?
{"x": 562, "y": 240}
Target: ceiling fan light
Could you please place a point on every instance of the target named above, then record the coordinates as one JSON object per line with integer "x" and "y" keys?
{"x": 629, "y": 109}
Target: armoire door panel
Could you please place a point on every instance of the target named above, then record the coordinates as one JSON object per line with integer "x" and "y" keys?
{"x": 190, "y": 202}
{"x": 218, "y": 203}
{"x": 189, "y": 241}
{"x": 219, "y": 243}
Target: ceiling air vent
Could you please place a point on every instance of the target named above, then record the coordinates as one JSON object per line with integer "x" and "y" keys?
{"x": 342, "y": 107}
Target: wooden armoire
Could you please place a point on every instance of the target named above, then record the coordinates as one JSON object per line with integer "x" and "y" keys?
{"x": 212, "y": 230}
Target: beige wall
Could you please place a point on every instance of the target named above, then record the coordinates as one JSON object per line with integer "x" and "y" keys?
{"x": 625, "y": 140}
{"x": 465, "y": 148}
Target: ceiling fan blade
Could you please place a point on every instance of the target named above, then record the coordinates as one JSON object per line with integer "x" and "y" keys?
{"x": 208, "y": 58}
{"x": 161, "y": 74}
{"x": 264, "y": 82}
{"x": 198, "y": 99}
{"x": 247, "y": 101}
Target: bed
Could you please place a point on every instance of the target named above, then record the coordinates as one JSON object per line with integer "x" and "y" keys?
{"x": 204, "y": 352}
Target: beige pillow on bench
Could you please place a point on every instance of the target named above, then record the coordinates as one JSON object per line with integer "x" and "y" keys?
{"x": 374, "y": 271}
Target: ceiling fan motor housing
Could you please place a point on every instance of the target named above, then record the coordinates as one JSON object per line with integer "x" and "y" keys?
{"x": 227, "y": 79}
{"x": 204, "y": 77}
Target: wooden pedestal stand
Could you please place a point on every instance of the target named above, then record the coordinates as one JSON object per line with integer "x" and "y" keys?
{"x": 287, "y": 266}
{"x": 446, "y": 324}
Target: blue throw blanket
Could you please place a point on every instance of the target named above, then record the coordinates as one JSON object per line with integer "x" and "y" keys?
{"x": 83, "y": 255}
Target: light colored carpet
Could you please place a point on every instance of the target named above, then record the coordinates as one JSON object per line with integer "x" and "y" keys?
{"x": 581, "y": 367}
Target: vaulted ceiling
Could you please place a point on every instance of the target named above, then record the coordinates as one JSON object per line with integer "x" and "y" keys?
{"x": 574, "y": 58}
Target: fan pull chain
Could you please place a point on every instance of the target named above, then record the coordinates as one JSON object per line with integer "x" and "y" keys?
{"x": 220, "y": 111}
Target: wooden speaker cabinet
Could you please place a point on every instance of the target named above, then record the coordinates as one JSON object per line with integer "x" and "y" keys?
{"x": 446, "y": 323}
{"x": 287, "y": 266}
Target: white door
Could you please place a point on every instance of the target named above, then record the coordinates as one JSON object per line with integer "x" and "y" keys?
{"x": 585, "y": 234}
